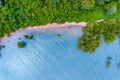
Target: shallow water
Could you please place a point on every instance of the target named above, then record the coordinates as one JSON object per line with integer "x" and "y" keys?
{"x": 50, "y": 57}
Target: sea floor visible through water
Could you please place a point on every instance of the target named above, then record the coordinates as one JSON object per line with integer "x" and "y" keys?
{"x": 49, "y": 56}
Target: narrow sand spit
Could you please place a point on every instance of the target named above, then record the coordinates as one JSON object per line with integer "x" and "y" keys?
{"x": 48, "y": 26}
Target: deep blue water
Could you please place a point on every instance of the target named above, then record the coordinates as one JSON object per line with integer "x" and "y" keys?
{"x": 50, "y": 57}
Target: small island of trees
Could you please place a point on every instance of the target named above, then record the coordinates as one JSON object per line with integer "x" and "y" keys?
{"x": 21, "y": 44}
{"x": 28, "y": 37}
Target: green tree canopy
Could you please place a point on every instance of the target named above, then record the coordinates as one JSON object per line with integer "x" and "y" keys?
{"x": 88, "y": 4}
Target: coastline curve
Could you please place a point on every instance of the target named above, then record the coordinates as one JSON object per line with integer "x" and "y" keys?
{"x": 48, "y": 26}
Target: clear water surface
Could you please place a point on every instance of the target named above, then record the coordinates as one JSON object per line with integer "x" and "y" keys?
{"x": 51, "y": 57}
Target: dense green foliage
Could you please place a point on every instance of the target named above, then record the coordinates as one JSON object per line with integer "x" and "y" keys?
{"x": 15, "y": 14}
{"x": 88, "y": 4}
{"x": 21, "y": 44}
{"x": 94, "y": 31}
{"x": 28, "y": 37}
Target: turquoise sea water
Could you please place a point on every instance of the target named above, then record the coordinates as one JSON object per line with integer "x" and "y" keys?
{"x": 51, "y": 57}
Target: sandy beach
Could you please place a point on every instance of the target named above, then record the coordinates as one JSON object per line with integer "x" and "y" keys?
{"x": 54, "y": 25}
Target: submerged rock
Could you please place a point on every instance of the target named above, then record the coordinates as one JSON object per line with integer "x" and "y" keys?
{"x": 3, "y": 46}
{"x": 59, "y": 35}
{"x": 119, "y": 65}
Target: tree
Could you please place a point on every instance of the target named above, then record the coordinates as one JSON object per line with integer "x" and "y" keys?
{"x": 87, "y": 4}
{"x": 21, "y": 44}
{"x": 91, "y": 38}
{"x": 28, "y": 37}
{"x": 110, "y": 8}
{"x": 100, "y": 2}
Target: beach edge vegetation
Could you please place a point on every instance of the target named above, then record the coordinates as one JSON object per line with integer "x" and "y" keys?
{"x": 95, "y": 31}
{"x": 16, "y": 14}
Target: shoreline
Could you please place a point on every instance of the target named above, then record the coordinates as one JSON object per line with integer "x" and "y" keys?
{"x": 48, "y": 26}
